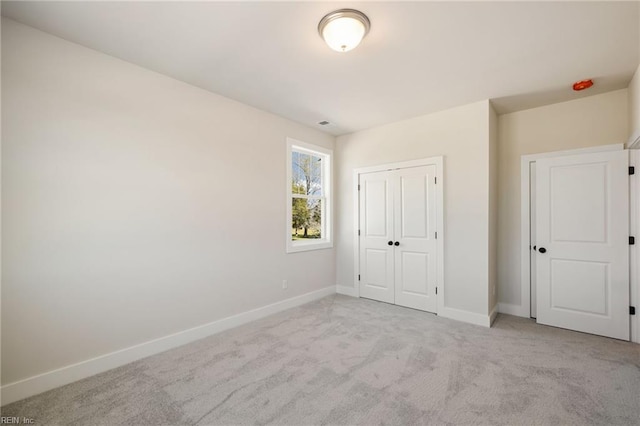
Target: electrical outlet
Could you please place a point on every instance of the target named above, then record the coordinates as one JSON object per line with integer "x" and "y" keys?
{"x": 284, "y": 284}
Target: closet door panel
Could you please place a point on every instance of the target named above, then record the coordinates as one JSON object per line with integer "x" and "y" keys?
{"x": 376, "y": 231}
{"x": 415, "y": 234}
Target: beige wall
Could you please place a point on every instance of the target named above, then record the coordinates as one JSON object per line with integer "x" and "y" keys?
{"x": 461, "y": 136}
{"x": 134, "y": 205}
{"x": 591, "y": 121}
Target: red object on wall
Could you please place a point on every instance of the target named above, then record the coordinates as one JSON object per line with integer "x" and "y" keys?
{"x": 581, "y": 85}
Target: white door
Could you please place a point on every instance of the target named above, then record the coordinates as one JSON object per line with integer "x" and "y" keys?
{"x": 582, "y": 243}
{"x": 376, "y": 232}
{"x": 415, "y": 234}
{"x": 398, "y": 251}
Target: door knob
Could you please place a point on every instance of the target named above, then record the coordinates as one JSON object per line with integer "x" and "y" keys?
{"x": 396, "y": 243}
{"x": 542, "y": 250}
{"x": 390, "y": 243}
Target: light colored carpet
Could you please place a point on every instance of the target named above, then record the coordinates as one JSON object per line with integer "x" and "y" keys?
{"x": 343, "y": 360}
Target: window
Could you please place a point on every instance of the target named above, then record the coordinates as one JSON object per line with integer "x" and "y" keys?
{"x": 308, "y": 197}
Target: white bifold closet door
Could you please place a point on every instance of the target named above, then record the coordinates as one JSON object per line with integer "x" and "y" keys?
{"x": 582, "y": 239}
{"x": 398, "y": 250}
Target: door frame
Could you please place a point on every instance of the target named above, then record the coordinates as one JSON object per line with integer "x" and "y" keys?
{"x": 431, "y": 161}
{"x": 524, "y": 309}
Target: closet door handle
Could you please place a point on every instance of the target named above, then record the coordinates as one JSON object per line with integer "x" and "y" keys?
{"x": 396, "y": 243}
{"x": 390, "y": 243}
{"x": 542, "y": 250}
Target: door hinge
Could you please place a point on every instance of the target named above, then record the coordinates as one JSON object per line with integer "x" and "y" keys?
{"x": 358, "y": 277}
{"x": 358, "y": 187}
{"x": 358, "y": 232}
{"x": 632, "y": 170}
{"x": 632, "y": 240}
{"x": 436, "y": 235}
{"x": 436, "y": 290}
{"x": 632, "y": 310}
{"x": 435, "y": 180}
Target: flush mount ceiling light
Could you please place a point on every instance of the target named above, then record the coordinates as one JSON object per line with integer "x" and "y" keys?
{"x": 344, "y": 29}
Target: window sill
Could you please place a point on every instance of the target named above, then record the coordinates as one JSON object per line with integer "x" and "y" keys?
{"x": 308, "y": 246}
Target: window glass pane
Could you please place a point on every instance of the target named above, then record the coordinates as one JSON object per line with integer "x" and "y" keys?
{"x": 306, "y": 218}
{"x": 306, "y": 174}
{"x": 315, "y": 169}
{"x": 298, "y": 181}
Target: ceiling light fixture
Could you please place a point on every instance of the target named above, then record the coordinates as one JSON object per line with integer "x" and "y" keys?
{"x": 344, "y": 29}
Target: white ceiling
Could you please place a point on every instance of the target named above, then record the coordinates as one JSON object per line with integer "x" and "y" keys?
{"x": 419, "y": 57}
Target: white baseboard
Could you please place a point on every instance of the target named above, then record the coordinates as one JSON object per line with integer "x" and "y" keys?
{"x": 465, "y": 316}
{"x": 347, "y": 291}
{"x": 52, "y": 379}
{"x": 510, "y": 309}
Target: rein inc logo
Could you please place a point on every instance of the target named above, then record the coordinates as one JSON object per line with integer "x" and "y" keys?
{"x": 4, "y": 420}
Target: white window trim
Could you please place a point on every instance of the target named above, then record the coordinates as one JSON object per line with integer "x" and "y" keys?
{"x": 327, "y": 156}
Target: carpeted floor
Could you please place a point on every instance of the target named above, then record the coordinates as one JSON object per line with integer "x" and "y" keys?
{"x": 343, "y": 361}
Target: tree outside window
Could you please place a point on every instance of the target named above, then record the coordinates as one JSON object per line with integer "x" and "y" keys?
{"x": 306, "y": 195}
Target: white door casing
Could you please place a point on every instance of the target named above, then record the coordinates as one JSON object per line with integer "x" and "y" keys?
{"x": 533, "y": 244}
{"x": 398, "y": 247}
{"x": 582, "y": 230}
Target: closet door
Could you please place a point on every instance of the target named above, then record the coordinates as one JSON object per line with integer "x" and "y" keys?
{"x": 415, "y": 235}
{"x": 376, "y": 236}
{"x": 398, "y": 250}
